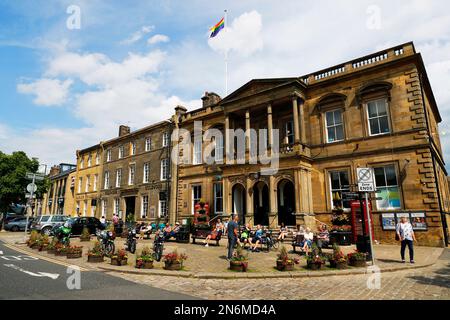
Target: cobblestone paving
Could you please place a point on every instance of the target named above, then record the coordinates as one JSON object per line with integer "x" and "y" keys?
{"x": 429, "y": 283}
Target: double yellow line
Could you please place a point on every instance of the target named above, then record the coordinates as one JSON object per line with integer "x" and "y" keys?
{"x": 41, "y": 257}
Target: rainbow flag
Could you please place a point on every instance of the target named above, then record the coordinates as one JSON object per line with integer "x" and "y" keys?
{"x": 216, "y": 29}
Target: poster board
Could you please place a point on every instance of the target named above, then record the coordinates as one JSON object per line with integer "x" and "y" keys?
{"x": 388, "y": 221}
{"x": 418, "y": 221}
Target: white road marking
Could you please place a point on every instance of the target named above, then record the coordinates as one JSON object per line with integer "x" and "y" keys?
{"x": 1, "y": 252}
{"x": 53, "y": 276}
{"x": 19, "y": 258}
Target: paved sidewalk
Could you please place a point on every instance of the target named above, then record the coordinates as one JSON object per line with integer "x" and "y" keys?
{"x": 210, "y": 262}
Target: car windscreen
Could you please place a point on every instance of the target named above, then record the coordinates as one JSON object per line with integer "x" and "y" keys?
{"x": 44, "y": 218}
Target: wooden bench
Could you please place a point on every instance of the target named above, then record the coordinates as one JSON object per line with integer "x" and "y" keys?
{"x": 203, "y": 234}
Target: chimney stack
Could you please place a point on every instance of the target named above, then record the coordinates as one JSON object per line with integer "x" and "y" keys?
{"x": 124, "y": 130}
{"x": 210, "y": 99}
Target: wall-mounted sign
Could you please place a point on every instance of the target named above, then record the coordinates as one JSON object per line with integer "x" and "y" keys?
{"x": 418, "y": 221}
{"x": 366, "y": 181}
{"x": 388, "y": 221}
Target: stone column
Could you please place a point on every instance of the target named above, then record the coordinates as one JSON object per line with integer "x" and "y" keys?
{"x": 247, "y": 130}
{"x": 302, "y": 123}
{"x": 249, "y": 216}
{"x": 269, "y": 125}
{"x": 273, "y": 202}
{"x": 296, "y": 120}
{"x": 298, "y": 191}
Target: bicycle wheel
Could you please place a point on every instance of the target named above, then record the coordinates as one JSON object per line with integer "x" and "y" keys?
{"x": 109, "y": 248}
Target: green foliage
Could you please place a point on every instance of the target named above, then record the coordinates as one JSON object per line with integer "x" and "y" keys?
{"x": 13, "y": 181}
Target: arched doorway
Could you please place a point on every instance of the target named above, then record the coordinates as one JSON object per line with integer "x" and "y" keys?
{"x": 286, "y": 203}
{"x": 239, "y": 202}
{"x": 261, "y": 205}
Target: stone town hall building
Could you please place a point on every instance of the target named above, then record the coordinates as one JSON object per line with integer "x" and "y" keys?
{"x": 377, "y": 111}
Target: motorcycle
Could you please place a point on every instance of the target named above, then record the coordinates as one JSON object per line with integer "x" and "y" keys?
{"x": 131, "y": 241}
{"x": 62, "y": 233}
{"x": 158, "y": 245}
{"x": 106, "y": 239}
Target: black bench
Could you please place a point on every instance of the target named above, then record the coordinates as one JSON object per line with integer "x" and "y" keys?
{"x": 297, "y": 242}
{"x": 203, "y": 234}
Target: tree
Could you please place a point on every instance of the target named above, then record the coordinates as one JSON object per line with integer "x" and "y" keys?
{"x": 13, "y": 181}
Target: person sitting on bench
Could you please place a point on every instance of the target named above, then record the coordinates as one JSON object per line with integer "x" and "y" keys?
{"x": 283, "y": 232}
{"x": 214, "y": 234}
{"x": 323, "y": 237}
{"x": 245, "y": 236}
{"x": 307, "y": 243}
{"x": 257, "y": 238}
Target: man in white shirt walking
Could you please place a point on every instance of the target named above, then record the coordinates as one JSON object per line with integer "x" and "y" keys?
{"x": 406, "y": 235}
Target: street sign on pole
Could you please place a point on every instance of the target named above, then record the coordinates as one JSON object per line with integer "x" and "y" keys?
{"x": 366, "y": 181}
{"x": 31, "y": 188}
{"x": 35, "y": 176}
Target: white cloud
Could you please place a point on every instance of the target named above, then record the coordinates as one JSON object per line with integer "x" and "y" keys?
{"x": 157, "y": 38}
{"x": 136, "y": 36}
{"x": 243, "y": 36}
{"x": 48, "y": 92}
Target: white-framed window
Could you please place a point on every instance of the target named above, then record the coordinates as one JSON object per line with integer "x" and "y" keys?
{"x": 165, "y": 139}
{"x": 339, "y": 183}
{"x": 131, "y": 174}
{"x": 218, "y": 198}
{"x": 121, "y": 152}
{"x": 196, "y": 196}
{"x": 81, "y": 162}
{"x": 90, "y": 160}
{"x": 218, "y": 150}
{"x": 106, "y": 185}
{"x": 118, "y": 177}
{"x": 117, "y": 205}
{"x": 80, "y": 184}
{"x": 378, "y": 118}
{"x": 85, "y": 204}
{"x": 148, "y": 144}
{"x": 162, "y": 208}
{"x": 334, "y": 125}
{"x": 144, "y": 207}
{"x": 104, "y": 208}
{"x": 133, "y": 148}
{"x": 95, "y": 182}
{"x": 197, "y": 155}
{"x": 108, "y": 155}
{"x": 97, "y": 158}
{"x": 164, "y": 169}
{"x": 146, "y": 174}
{"x": 87, "y": 184}
{"x": 388, "y": 188}
{"x": 289, "y": 133}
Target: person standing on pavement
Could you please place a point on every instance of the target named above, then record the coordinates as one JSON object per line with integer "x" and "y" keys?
{"x": 406, "y": 235}
{"x": 232, "y": 235}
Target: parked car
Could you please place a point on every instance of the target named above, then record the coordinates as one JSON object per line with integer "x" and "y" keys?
{"x": 11, "y": 216}
{"x": 46, "y": 223}
{"x": 18, "y": 224}
{"x": 93, "y": 224}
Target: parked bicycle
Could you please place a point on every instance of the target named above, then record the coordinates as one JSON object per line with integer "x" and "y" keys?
{"x": 270, "y": 242}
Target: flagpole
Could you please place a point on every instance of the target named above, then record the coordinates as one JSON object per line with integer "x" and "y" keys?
{"x": 226, "y": 55}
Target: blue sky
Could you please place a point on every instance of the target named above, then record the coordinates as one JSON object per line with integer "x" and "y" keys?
{"x": 64, "y": 89}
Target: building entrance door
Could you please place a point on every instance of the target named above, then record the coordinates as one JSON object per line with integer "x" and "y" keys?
{"x": 130, "y": 206}
{"x": 286, "y": 203}
{"x": 261, "y": 205}
{"x": 239, "y": 202}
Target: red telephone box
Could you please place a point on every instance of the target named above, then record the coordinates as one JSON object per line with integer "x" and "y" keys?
{"x": 357, "y": 219}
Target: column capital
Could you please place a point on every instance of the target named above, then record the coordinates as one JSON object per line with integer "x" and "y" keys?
{"x": 295, "y": 96}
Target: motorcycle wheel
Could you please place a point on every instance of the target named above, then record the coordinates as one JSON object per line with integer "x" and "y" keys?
{"x": 109, "y": 248}
{"x": 133, "y": 246}
{"x": 158, "y": 253}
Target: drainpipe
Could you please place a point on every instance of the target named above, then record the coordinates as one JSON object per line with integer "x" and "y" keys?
{"x": 430, "y": 137}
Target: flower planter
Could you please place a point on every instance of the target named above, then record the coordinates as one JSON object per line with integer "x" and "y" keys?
{"x": 117, "y": 262}
{"x": 145, "y": 265}
{"x": 73, "y": 255}
{"x": 42, "y": 248}
{"x": 95, "y": 259}
{"x": 338, "y": 265}
{"x": 358, "y": 263}
{"x": 314, "y": 266}
{"x": 60, "y": 253}
{"x": 241, "y": 266}
{"x": 285, "y": 267}
{"x": 173, "y": 265}
{"x": 35, "y": 246}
